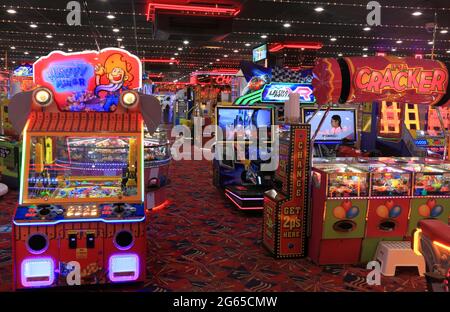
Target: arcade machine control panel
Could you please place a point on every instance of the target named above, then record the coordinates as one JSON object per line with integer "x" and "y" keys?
{"x": 72, "y": 213}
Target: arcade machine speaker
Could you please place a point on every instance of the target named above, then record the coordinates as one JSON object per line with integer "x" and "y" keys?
{"x": 200, "y": 20}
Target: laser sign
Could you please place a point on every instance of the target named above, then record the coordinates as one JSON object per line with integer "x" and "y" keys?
{"x": 277, "y": 92}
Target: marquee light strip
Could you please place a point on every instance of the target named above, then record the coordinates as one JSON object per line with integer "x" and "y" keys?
{"x": 353, "y": 5}
{"x": 336, "y": 36}
{"x": 303, "y": 22}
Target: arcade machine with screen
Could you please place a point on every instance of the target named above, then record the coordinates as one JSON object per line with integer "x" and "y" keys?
{"x": 81, "y": 216}
{"x": 242, "y": 146}
{"x": 267, "y": 88}
{"x": 338, "y": 125}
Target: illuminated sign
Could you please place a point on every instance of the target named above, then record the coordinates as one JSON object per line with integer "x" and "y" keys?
{"x": 69, "y": 75}
{"x": 400, "y": 78}
{"x": 211, "y": 79}
{"x": 279, "y": 92}
{"x": 260, "y": 53}
{"x": 89, "y": 80}
{"x": 25, "y": 70}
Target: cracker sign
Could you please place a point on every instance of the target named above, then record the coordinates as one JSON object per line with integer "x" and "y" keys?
{"x": 382, "y": 78}
{"x": 89, "y": 80}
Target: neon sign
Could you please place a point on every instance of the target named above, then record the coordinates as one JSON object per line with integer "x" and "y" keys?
{"x": 401, "y": 78}
{"x": 279, "y": 92}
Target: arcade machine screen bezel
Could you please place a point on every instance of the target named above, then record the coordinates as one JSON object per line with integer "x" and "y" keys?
{"x": 332, "y": 112}
{"x": 251, "y": 140}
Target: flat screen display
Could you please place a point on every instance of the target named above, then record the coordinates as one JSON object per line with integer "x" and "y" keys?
{"x": 260, "y": 53}
{"x": 239, "y": 123}
{"x": 338, "y": 125}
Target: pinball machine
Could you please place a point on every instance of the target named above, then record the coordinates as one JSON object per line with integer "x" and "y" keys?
{"x": 81, "y": 213}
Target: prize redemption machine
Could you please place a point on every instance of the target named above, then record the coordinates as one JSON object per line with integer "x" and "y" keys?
{"x": 242, "y": 152}
{"x": 81, "y": 216}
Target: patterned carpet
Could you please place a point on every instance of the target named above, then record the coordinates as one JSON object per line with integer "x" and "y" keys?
{"x": 199, "y": 242}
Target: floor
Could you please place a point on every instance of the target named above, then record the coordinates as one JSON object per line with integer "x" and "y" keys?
{"x": 200, "y": 242}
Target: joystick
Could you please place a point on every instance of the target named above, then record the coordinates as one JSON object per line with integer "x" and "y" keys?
{"x": 119, "y": 208}
{"x": 44, "y": 210}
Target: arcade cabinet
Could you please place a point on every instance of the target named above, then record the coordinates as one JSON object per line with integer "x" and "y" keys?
{"x": 81, "y": 215}
{"x": 241, "y": 151}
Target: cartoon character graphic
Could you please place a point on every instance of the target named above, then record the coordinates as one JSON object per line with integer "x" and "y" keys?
{"x": 118, "y": 74}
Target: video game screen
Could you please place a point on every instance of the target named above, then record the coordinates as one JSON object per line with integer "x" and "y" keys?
{"x": 339, "y": 124}
{"x": 244, "y": 123}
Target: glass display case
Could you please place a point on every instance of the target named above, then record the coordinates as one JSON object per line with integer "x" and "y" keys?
{"x": 344, "y": 180}
{"x": 156, "y": 148}
{"x": 387, "y": 180}
{"x": 429, "y": 179}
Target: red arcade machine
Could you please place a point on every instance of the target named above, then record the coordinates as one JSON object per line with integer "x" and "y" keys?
{"x": 81, "y": 214}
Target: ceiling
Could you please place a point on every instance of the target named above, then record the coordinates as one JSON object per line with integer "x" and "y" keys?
{"x": 343, "y": 20}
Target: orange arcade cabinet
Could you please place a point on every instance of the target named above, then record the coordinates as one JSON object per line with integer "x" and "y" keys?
{"x": 81, "y": 213}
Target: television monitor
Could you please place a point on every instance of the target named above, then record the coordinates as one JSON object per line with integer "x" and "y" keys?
{"x": 243, "y": 123}
{"x": 339, "y": 124}
{"x": 260, "y": 53}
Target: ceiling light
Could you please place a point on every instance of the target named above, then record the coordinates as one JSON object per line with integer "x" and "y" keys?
{"x": 11, "y": 11}
{"x": 14, "y": 62}
{"x": 263, "y": 36}
{"x": 60, "y": 44}
{"x": 217, "y": 60}
{"x": 430, "y": 42}
{"x": 394, "y": 49}
{"x": 172, "y": 58}
{"x": 110, "y": 16}
{"x": 116, "y": 30}
{"x": 186, "y": 42}
{"x": 176, "y": 80}
{"x": 333, "y": 39}
{"x": 26, "y": 53}
{"x": 180, "y": 49}
{"x": 444, "y": 31}
{"x": 49, "y": 36}
{"x": 36, "y": 57}
{"x": 171, "y": 63}
{"x": 340, "y": 54}
{"x": 13, "y": 48}
{"x": 119, "y": 39}
{"x": 70, "y": 50}
{"x": 365, "y": 49}
{"x": 226, "y": 55}
{"x": 398, "y": 41}
{"x": 286, "y": 25}
{"x": 176, "y": 53}
{"x": 365, "y": 55}
{"x": 367, "y": 28}
{"x": 417, "y": 13}
{"x": 247, "y": 44}
{"x": 210, "y": 63}
{"x": 122, "y": 47}
{"x": 33, "y": 25}
{"x": 235, "y": 51}
{"x": 319, "y": 9}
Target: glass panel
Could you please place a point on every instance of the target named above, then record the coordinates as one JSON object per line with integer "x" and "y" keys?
{"x": 83, "y": 167}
